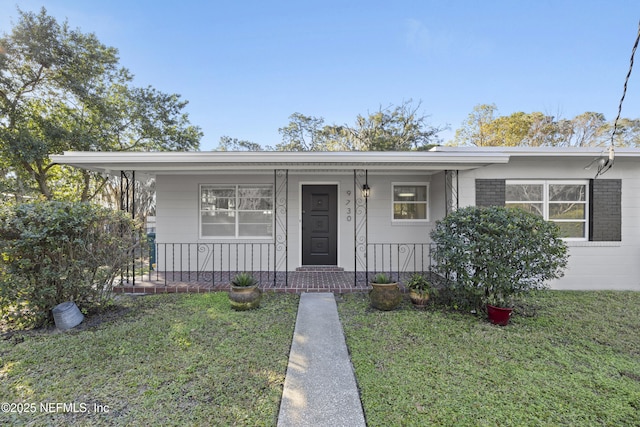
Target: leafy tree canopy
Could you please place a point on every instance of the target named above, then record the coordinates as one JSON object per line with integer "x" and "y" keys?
{"x": 484, "y": 128}
{"x": 61, "y": 89}
{"x": 392, "y": 128}
{"x": 234, "y": 144}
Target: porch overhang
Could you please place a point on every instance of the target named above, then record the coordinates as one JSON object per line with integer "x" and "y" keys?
{"x": 181, "y": 163}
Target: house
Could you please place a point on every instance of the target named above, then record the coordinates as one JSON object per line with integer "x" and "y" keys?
{"x": 278, "y": 212}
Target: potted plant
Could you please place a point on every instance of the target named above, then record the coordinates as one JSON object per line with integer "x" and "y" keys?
{"x": 244, "y": 293}
{"x": 492, "y": 255}
{"x": 499, "y": 307}
{"x": 385, "y": 293}
{"x": 420, "y": 289}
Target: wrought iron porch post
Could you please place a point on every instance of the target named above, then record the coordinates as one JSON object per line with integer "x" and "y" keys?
{"x": 451, "y": 191}
{"x": 451, "y": 195}
{"x": 281, "y": 224}
{"x": 128, "y": 205}
{"x": 360, "y": 224}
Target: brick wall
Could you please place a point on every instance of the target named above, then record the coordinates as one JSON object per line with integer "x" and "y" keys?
{"x": 490, "y": 192}
{"x": 605, "y": 210}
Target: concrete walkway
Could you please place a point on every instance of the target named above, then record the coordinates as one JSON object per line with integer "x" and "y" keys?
{"x": 320, "y": 387}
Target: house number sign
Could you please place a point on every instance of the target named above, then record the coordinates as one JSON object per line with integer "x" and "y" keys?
{"x": 347, "y": 202}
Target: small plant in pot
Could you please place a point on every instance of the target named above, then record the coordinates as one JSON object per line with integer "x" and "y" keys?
{"x": 420, "y": 289}
{"x": 499, "y": 307}
{"x": 385, "y": 293}
{"x": 244, "y": 293}
{"x": 494, "y": 254}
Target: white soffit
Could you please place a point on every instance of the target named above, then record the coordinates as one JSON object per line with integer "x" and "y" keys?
{"x": 212, "y": 162}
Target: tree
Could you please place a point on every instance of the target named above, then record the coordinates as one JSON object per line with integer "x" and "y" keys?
{"x": 627, "y": 132}
{"x": 544, "y": 131}
{"x": 144, "y": 197}
{"x": 61, "y": 89}
{"x": 522, "y": 129}
{"x": 399, "y": 128}
{"x": 509, "y": 130}
{"x": 234, "y": 144}
{"x": 474, "y": 130}
{"x": 590, "y": 129}
{"x": 303, "y": 133}
{"x": 393, "y": 128}
{"x": 585, "y": 130}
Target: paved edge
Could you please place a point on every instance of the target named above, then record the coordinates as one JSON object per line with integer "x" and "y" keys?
{"x": 320, "y": 387}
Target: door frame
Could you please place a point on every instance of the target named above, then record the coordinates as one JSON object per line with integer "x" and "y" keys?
{"x": 338, "y": 198}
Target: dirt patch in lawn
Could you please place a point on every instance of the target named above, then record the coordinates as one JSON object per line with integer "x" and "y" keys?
{"x": 122, "y": 306}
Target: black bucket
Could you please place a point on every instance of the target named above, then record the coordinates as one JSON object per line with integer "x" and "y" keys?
{"x": 67, "y": 315}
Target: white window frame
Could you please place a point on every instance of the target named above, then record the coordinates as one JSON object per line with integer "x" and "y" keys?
{"x": 426, "y": 202}
{"x": 545, "y": 201}
{"x": 236, "y": 235}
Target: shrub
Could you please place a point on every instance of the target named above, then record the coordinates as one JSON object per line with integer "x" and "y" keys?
{"x": 57, "y": 251}
{"x": 494, "y": 254}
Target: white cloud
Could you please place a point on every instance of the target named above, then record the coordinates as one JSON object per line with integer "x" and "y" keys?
{"x": 417, "y": 36}
{"x": 425, "y": 40}
{"x": 422, "y": 40}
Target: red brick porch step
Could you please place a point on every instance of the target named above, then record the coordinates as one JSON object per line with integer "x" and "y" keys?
{"x": 317, "y": 279}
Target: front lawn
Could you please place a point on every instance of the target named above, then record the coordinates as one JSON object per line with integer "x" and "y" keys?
{"x": 167, "y": 360}
{"x": 572, "y": 359}
{"x": 575, "y": 362}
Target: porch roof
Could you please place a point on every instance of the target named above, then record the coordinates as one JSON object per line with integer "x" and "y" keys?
{"x": 569, "y": 152}
{"x": 209, "y": 162}
{"x": 201, "y": 162}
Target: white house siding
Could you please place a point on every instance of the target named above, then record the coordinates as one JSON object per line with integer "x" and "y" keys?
{"x": 178, "y": 213}
{"x": 177, "y": 226}
{"x": 592, "y": 265}
{"x": 381, "y": 229}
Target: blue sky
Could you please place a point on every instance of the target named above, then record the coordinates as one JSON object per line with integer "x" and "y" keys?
{"x": 246, "y": 66}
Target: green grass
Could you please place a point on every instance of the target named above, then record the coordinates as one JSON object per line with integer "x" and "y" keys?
{"x": 169, "y": 360}
{"x": 572, "y": 359}
{"x": 574, "y": 362}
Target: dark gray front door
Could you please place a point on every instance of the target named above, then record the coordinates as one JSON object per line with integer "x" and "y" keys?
{"x": 319, "y": 224}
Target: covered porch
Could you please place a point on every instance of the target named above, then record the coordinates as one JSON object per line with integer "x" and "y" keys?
{"x": 368, "y": 238}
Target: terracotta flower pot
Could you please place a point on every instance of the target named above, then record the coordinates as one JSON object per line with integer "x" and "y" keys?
{"x": 245, "y": 297}
{"x": 385, "y": 296}
{"x": 418, "y": 300}
{"x": 499, "y": 315}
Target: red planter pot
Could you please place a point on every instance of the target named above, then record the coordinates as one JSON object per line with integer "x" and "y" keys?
{"x": 499, "y": 315}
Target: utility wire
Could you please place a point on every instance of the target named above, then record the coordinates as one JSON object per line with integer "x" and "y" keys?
{"x": 605, "y": 164}
{"x": 624, "y": 91}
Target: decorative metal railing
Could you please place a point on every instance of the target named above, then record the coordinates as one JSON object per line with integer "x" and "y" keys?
{"x": 399, "y": 260}
{"x": 218, "y": 263}
{"x": 213, "y": 263}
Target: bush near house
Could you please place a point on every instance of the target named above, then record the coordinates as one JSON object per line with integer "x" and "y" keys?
{"x": 493, "y": 254}
{"x": 54, "y": 252}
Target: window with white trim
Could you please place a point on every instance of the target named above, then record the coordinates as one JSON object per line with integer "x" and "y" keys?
{"x": 410, "y": 201}
{"x": 236, "y": 211}
{"x": 563, "y": 202}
